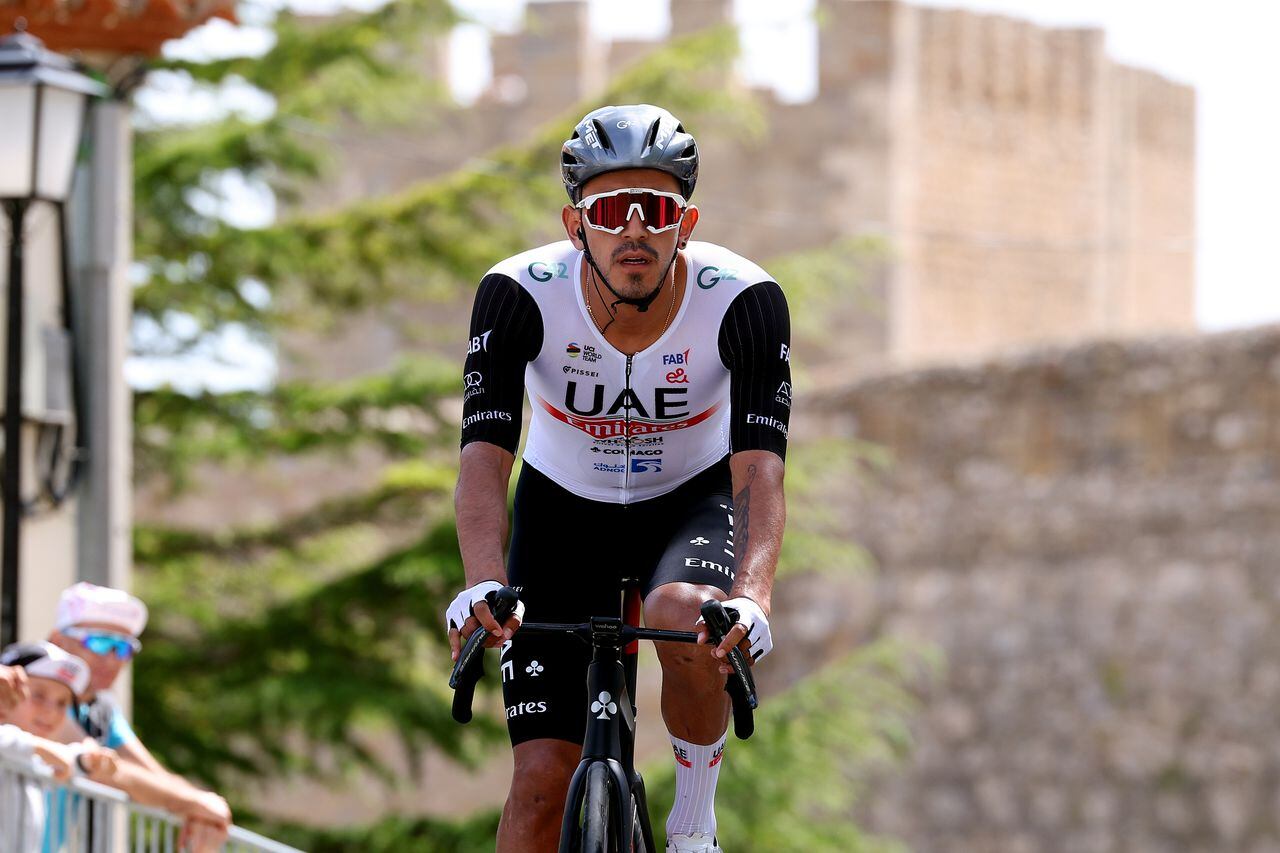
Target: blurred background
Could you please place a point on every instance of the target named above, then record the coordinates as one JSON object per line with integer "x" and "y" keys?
{"x": 1028, "y": 587}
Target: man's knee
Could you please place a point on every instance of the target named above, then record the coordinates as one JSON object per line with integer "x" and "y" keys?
{"x": 677, "y": 606}
{"x": 541, "y": 776}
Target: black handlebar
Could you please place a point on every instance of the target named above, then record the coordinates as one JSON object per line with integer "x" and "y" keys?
{"x": 740, "y": 686}
{"x": 469, "y": 667}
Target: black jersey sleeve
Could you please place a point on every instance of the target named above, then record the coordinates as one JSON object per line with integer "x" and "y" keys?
{"x": 506, "y": 334}
{"x": 755, "y": 344}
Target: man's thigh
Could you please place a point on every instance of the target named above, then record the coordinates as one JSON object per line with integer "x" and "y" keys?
{"x": 566, "y": 560}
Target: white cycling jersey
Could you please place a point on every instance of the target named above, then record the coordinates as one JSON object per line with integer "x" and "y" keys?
{"x": 623, "y": 428}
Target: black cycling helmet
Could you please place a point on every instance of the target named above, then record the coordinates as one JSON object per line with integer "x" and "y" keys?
{"x": 635, "y": 136}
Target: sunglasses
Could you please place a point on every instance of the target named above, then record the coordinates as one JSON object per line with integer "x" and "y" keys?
{"x": 105, "y": 642}
{"x": 611, "y": 211}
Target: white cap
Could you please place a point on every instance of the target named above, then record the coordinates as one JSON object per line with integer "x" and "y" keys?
{"x": 45, "y": 660}
{"x": 86, "y": 602}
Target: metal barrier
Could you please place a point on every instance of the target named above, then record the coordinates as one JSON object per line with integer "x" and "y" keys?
{"x": 38, "y": 813}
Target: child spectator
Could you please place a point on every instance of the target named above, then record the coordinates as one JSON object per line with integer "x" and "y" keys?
{"x": 52, "y": 680}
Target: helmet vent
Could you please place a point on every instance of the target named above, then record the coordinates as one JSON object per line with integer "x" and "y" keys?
{"x": 690, "y": 150}
{"x": 604, "y": 137}
{"x": 652, "y": 136}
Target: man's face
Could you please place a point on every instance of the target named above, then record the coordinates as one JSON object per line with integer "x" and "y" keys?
{"x": 635, "y": 259}
{"x": 103, "y": 669}
{"x": 45, "y": 709}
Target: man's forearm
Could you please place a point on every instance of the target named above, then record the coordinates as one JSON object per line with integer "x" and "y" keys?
{"x": 480, "y": 504}
{"x": 759, "y": 518}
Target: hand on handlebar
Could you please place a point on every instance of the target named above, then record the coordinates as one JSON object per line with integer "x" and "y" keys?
{"x": 470, "y": 611}
{"x": 750, "y": 633}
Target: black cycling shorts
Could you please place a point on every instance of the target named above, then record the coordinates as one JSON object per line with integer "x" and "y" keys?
{"x": 568, "y": 557}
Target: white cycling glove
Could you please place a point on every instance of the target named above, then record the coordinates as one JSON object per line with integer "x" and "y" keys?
{"x": 461, "y": 608}
{"x": 757, "y": 624}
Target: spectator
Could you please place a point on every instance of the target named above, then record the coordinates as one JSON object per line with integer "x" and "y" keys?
{"x": 13, "y": 687}
{"x": 102, "y": 625}
{"x": 52, "y": 679}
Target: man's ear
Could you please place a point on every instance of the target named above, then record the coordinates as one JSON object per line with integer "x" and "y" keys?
{"x": 689, "y": 222}
{"x": 573, "y": 226}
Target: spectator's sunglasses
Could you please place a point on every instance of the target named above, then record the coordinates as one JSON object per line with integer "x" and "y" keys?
{"x": 105, "y": 642}
{"x": 611, "y": 211}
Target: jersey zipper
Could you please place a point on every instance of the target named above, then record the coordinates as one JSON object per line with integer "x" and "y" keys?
{"x": 626, "y": 439}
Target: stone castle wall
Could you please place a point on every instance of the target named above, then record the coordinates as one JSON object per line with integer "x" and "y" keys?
{"x": 1027, "y": 187}
{"x": 1091, "y": 536}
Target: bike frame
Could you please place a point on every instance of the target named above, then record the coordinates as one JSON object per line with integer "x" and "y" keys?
{"x": 610, "y": 735}
{"x": 611, "y": 712}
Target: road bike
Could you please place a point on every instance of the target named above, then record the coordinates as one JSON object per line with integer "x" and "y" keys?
{"x": 606, "y": 810}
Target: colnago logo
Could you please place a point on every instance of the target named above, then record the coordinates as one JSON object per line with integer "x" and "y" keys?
{"x": 522, "y": 708}
{"x": 765, "y": 420}
{"x": 471, "y": 420}
{"x": 676, "y": 357}
{"x": 615, "y": 427}
{"x": 604, "y": 707}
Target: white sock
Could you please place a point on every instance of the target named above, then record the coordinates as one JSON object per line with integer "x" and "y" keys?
{"x": 697, "y": 769}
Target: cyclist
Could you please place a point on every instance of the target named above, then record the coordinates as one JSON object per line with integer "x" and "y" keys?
{"x": 658, "y": 372}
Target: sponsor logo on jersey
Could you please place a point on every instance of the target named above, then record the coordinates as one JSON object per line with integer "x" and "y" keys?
{"x": 784, "y": 394}
{"x": 494, "y": 415}
{"x": 682, "y": 755}
{"x": 522, "y": 708}
{"x": 699, "y": 563}
{"x": 618, "y": 451}
{"x": 668, "y": 403}
{"x": 588, "y": 353}
{"x": 578, "y": 371}
{"x": 677, "y": 376}
{"x": 676, "y": 357}
{"x": 634, "y": 442}
{"x": 709, "y": 277}
{"x": 472, "y": 384}
{"x": 615, "y": 427}
{"x": 786, "y": 354}
{"x": 534, "y": 669}
{"x": 544, "y": 272}
{"x": 609, "y": 468}
{"x": 644, "y": 466}
{"x": 716, "y": 756}
{"x": 480, "y": 343}
{"x": 765, "y": 420}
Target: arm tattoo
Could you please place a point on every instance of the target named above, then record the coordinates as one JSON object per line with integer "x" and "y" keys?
{"x": 742, "y": 515}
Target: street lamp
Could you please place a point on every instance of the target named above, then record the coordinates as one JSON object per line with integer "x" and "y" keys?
{"x": 43, "y": 100}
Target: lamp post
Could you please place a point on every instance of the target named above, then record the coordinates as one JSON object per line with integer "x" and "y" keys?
{"x": 43, "y": 99}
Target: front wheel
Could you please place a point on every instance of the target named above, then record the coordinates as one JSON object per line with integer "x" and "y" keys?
{"x": 597, "y": 828}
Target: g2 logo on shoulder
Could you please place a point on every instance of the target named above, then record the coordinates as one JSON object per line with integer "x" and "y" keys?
{"x": 709, "y": 277}
{"x": 544, "y": 272}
